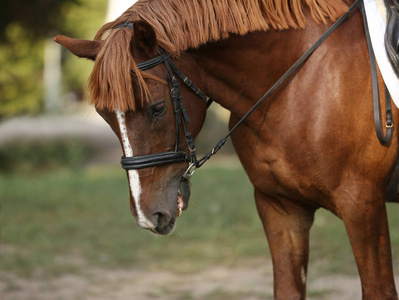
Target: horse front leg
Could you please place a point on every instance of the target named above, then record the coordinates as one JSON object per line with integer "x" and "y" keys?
{"x": 287, "y": 228}
{"x": 363, "y": 211}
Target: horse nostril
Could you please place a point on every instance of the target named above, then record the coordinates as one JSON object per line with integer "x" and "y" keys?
{"x": 161, "y": 219}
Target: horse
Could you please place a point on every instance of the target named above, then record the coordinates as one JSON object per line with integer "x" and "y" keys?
{"x": 310, "y": 145}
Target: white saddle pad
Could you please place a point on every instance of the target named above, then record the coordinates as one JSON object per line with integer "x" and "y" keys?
{"x": 376, "y": 19}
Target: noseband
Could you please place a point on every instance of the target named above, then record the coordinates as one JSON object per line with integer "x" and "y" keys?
{"x": 181, "y": 117}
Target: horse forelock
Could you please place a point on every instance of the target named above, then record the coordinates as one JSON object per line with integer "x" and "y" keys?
{"x": 110, "y": 82}
{"x": 182, "y": 24}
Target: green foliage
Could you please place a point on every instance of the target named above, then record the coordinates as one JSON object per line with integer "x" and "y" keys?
{"x": 43, "y": 155}
{"x": 21, "y": 85}
{"x": 83, "y": 25}
{"x": 37, "y": 17}
{"x": 22, "y": 54}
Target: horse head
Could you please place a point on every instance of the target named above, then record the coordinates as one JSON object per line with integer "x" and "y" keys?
{"x": 138, "y": 106}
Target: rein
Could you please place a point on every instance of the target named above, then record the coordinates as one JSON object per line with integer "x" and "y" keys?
{"x": 177, "y": 156}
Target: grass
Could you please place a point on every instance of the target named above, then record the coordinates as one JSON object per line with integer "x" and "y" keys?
{"x": 62, "y": 221}
{"x": 50, "y": 221}
{"x": 33, "y": 156}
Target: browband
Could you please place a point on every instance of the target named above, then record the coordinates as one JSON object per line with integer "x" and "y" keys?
{"x": 125, "y": 25}
{"x": 154, "y": 61}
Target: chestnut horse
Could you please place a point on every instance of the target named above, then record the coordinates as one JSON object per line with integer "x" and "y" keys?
{"x": 310, "y": 145}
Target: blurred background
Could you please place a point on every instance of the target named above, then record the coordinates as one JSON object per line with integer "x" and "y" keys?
{"x": 65, "y": 227}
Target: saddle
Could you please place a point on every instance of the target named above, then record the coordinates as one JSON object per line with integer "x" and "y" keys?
{"x": 392, "y": 33}
{"x": 392, "y": 47}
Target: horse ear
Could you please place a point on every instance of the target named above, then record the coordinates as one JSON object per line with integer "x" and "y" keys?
{"x": 81, "y": 48}
{"x": 144, "y": 39}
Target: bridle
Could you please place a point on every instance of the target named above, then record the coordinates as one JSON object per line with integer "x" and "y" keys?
{"x": 181, "y": 117}
{"x": 177, "y": 156}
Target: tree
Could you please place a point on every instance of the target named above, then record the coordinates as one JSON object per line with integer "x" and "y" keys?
{"x": 24, "y": 25}
{"x": 37, "y": 17}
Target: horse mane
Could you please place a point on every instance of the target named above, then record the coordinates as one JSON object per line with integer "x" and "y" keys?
{"x": 184, "y": 24}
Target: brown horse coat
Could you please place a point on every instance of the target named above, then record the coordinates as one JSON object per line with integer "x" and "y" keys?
{"x": 311, "y": 145}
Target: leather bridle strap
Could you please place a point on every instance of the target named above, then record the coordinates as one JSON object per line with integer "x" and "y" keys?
{"x": 208, "y": 101}
{"x": 156, "y": 159}
{"x": 164, "y": 56}
{"x": 376, "y": 98}
{"x": 181, "y": 118}
{"x": 149, "y": 64}
{"x": 153, "y": 160}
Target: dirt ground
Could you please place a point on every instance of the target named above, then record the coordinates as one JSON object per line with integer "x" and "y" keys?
{"x": 252, "y": 280}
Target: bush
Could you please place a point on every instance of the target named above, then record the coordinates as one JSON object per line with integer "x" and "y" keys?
{"x": 44, "y": 155}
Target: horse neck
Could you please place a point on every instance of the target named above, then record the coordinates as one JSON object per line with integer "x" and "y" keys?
{"x": 239, "y": 70}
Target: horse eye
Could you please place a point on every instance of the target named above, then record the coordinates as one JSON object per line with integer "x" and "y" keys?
{"x": 157, "y": 109}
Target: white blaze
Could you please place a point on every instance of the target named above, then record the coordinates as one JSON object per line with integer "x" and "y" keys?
{"x": 134, "y": 180}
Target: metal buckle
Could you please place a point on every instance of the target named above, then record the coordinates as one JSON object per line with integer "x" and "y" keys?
{"x": 389, "y": 124}
{"x": 190, "y": 171}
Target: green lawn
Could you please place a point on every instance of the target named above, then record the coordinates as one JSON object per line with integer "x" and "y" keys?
{"x": 60, "y": 221}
